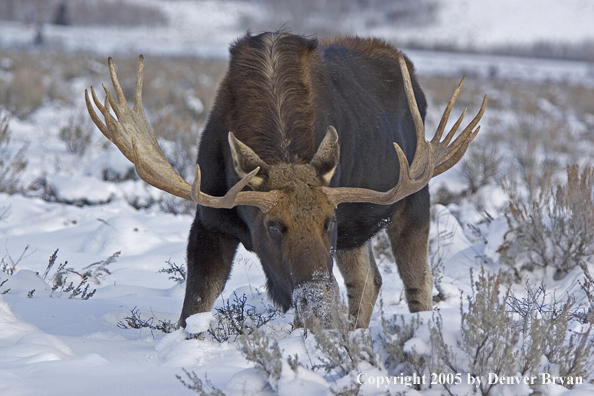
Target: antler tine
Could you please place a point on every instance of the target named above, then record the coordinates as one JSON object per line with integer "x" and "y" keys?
{"x": 452, "y": 131}
{"x": 93, "y": 115}
{"x": 446, "y": 115}
{"x": 235, "y": 196}
{"x": 117, "y": 134}
{"x": 116, "y": 84}
{"x": 139, "y": 81}
{"x": 447, "y": 155}
{"x": 133, "y": 136}
{"x": 455, "y": 155}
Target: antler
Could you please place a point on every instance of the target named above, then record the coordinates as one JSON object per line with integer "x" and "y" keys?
{"x": 132, "y": 134}
{"x": 430, "y": 159}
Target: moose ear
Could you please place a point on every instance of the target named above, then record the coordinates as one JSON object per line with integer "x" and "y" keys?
{"x": 326, "y": 158}
{"x": 246, "y": 160}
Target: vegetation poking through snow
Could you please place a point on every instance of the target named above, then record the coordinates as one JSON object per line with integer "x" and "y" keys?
{"x": 554, "y": 228}
{"x": 93, "y": 272}
{"x": 135, "y": 321}
{"x": 77, "y": 133}
{"x": 59, "y": 280}
{"x": 12, "y": 160}
{"x": 341, "y": 349}
{"x": 502, "y": 335}
{"x": 177, "y": 273}
{"x": 587, "y": 285}
{"x": 258, "y": 348}
{"x": 403, "y": 358}
{"x": 238, "y": 318}
{"x": 196, "y": 384}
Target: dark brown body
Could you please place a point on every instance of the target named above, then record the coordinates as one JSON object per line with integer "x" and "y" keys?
{"x": 280, "y": 95}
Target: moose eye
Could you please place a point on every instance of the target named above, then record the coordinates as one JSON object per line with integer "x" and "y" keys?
{"x": 275, "y": 227}
{"x": 331, "y": 226}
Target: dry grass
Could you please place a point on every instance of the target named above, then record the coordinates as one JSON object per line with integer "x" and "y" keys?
{"x": 12, "y": 162}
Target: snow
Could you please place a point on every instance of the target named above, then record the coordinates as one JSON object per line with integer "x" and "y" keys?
{"x": 207, "y": 27}
{"x": 199, "y": 323}
{"x": 483, "y": 24}
{"x": 51, "y": 344}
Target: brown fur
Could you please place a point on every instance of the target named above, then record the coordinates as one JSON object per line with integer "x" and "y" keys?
{"x": 275, "y": 80}
{"x": 409, "y": 243}
{"x": 363, "y": 282}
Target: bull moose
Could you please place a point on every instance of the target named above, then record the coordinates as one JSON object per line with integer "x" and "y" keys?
{"x": 297, "y": 163}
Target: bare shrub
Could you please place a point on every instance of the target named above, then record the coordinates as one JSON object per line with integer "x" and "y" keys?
{"x": 98, "y": 270}
{"x": 394, "y": 337}
{"x": 587, "y": 287}
{"x": 554, "y": 228}
{"x": 177, "y": 273}
{"x": 539, "y": 139}
{"x": 238, "y": 318}
{"x": 41, "y": 188}
{"x": 8, "y": 264}
{"x": 341, "y": 350}
{"x": 77, "y": 133}
{"x": 82, "y": 289}
{"x": 443, "y": 358}
{"x": 546, "y": 332}
{"x": 59, "y": 279}
{"x": 264, "y": 353}
{"x": 2, "y": 283}
{"x": 12, "y": 164}
{"x": 25, "y": 91}
{"x": 488, "y": 336}
{"x": 204, "y": 388}
{"x": 135, "y": 321}
{"x": 481, "y": 165}
{"x": 503, "y": 335}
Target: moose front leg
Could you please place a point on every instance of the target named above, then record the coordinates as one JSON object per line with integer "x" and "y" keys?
{"x": 363, "y": 282}
{"x": 409, "y": 236}
{"x": 210, "y": 256}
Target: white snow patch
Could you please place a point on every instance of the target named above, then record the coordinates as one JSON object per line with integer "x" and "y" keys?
{"x": 199, "y": 323}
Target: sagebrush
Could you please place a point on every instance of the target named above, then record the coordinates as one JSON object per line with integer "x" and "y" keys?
{"x": 554, "y": 227}
{"x": 12, "y": 161}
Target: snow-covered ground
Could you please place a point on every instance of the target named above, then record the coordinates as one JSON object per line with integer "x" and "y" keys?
{"x": 51, "y": 344}
{"x": 206, "y": 27}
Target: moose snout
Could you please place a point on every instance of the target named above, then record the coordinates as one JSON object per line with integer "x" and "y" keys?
{"x": 315, "y": 301}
